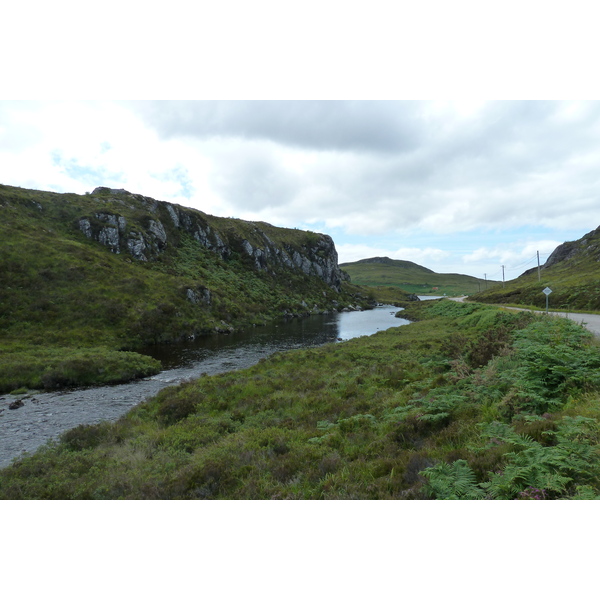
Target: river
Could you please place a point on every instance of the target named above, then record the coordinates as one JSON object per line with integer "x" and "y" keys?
{"x": 44, "y": 416}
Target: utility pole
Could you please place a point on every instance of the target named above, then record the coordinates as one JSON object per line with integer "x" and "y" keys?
{"x": 485, "y": 276}
{"x": 502, "y": 275}
{"x": 539, "y": 275}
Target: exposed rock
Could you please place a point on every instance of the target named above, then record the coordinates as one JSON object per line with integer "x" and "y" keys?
{"x": 588, "y": 244}
{"x": 86, "y": 227}
{"x": 147, "y": 240}
{"x": 200, "y": 295}
{"x": 113, "y": 220}
{"x": 16, "y": 404}
{"x": 109, "y": 236}
{"x": 226, "y": 328}
{"x": 105, "y": 190}
{"x": 174, "y": 215}
{"x": 157, "y": 230}
{"x": 104, "y": 228}
{"x": 137, "y": 246}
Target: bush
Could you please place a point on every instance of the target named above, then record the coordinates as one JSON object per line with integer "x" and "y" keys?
{"x": 85, "y": 437}
{"x": 176, "y": 408}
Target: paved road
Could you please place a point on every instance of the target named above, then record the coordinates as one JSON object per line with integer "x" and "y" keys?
{"x": 591, "y": 322}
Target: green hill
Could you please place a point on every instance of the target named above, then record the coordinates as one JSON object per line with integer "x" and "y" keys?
{"x": 85, "y": 280}
{"x": 572, "y": 272}
{"x": 410, "y": 277}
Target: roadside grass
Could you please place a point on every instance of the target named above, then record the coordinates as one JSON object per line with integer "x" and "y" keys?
{"x": 551, "y": 310}
{"x": 575, "y": 285}
{"x": 466, "y": 402}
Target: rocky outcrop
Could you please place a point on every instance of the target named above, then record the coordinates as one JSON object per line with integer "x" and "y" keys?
{"x": 200, "y": 295}
{"x": 160, "y": 225}
{"x": 114, "y": 232}
{"x": 319, "y": 259}
{"x": 589, "y": 244}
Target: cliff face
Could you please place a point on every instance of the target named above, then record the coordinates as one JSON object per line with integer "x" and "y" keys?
{"x": 156, "y": 225}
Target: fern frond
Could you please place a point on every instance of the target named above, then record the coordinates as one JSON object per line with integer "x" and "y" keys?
{"x": 452, "y": 482}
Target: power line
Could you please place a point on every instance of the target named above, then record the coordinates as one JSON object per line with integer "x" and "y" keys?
{"x": 519, "y": 266}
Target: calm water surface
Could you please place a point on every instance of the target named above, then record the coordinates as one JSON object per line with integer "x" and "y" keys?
{"x": 255, "y": 343}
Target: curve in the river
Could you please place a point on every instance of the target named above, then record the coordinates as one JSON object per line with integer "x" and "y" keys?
{"x": 44, "y": 416}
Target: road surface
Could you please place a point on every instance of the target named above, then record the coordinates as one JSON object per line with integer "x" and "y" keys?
{"x": 590, "y": 322}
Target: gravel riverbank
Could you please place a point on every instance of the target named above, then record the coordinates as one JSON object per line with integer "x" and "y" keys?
{"x": 43, "y": 416}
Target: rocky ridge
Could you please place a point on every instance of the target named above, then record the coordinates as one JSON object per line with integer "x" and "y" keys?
{"x": 149, "y": 235}
{"x": 588, "y": 245}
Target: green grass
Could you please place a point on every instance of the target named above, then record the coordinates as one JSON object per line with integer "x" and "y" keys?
{"x": 469, "y": 401}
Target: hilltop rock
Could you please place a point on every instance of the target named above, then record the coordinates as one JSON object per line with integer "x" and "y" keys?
{"x": 589, "y": 244}
{"x": 105, "y": 190}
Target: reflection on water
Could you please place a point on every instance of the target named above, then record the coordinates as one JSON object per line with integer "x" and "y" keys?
{"x": 245, "y": 348}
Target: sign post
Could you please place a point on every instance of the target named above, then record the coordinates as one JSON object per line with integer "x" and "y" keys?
{"x": 547, "y": 291}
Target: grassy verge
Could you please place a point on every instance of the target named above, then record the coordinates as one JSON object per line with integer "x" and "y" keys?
{"x": 469, "y": 401}
{"x": 575, "y": 287}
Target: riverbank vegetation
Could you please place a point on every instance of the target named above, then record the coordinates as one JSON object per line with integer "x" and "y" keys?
{"x": 467, "y": 402}
{"x": 73, "y": 312}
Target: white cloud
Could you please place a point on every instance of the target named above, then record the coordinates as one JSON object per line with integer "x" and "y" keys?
{"x": 421, "y": 256}
{"x": 516, "y": 257}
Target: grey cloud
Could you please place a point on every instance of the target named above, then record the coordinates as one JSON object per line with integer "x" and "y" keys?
{"x": 398, "y": 163}
{"x": 254, "y": 181}
{"x": 375, "y": 126}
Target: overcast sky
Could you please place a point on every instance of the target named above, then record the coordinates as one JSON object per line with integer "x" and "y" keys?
{"x": 458, "y": 186}
{"x": 455, "y": 186}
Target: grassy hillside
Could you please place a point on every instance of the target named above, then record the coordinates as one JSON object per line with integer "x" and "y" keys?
{"x": 572, "y": 272}
{"x": 468, "y": 402}
{"x": 411, "y": 277}
{"x": 73, "y": 311}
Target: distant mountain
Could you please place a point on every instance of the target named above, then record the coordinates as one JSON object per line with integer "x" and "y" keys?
{"x": 411, "y": 277}
{"x": 384, "y": 260}
{"x": 572, "y": 272}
